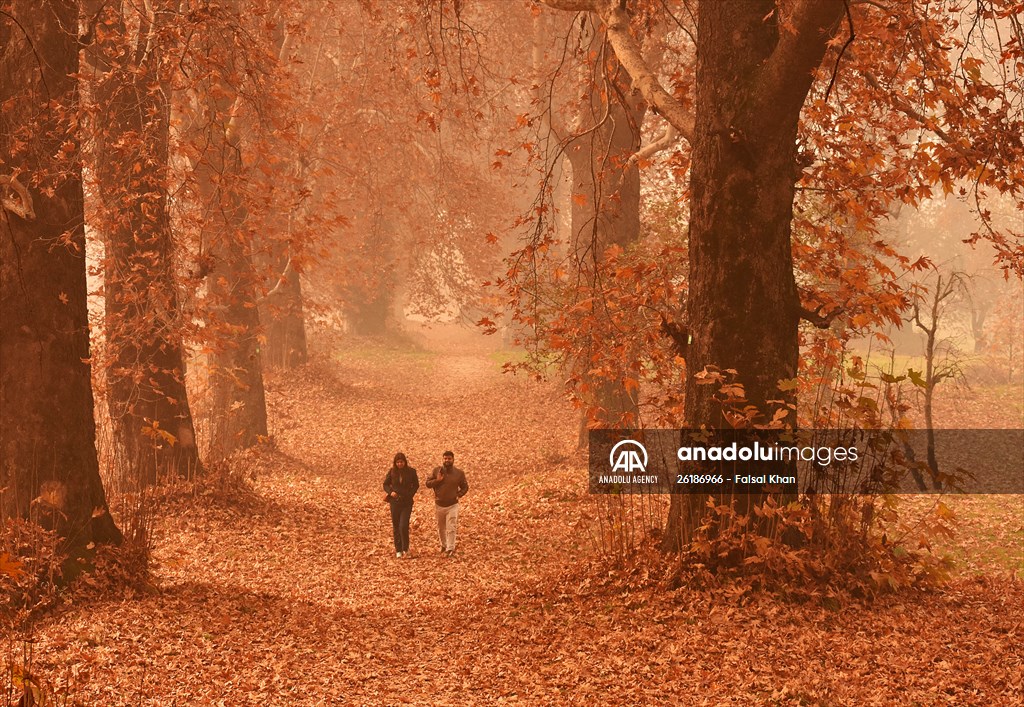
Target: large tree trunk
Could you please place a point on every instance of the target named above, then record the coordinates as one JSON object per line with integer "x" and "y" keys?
{"x": 146, "y": 368}
{"x": 282, "y": 309}
{"x": 239, "y": 406}
{"x": 754, "y": 70}
{"x": 48, "y": 466}
{"x": 368, "y": 313}
{"x": 369, "y": 306}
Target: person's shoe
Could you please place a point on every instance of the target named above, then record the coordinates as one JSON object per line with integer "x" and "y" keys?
{"x": 398, "y": 554}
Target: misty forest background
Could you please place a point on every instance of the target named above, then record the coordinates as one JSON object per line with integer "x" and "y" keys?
{"x": 251, "y": 249}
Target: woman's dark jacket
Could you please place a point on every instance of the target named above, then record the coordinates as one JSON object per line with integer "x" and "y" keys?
{"x": 404, "y": 482}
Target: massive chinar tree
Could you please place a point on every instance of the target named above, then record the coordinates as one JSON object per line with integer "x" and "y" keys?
{"x": 48, "y": 465}
{"x": 145, "y": 366}
{"x": 756, "y": 62}
{"x": 754, "y": 70}
{"x": 755, "y": 66}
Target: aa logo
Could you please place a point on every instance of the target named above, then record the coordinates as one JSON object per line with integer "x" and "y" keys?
{"x": 626, "y": 457}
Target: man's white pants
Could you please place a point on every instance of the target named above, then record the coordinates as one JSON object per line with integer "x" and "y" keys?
{"x": 447, "y": 524}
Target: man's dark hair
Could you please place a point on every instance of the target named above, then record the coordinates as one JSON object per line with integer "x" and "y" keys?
{"x": 449, "y": 454}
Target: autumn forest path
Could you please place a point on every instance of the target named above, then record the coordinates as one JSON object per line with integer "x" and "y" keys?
{"x": 294, "y": 596}
{"x": 290, "y": 594}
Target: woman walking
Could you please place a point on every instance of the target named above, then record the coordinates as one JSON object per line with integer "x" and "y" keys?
{"x": 401, "y": 484}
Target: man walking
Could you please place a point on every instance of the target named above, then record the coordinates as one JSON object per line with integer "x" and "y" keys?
{"x": 449, "y": 484}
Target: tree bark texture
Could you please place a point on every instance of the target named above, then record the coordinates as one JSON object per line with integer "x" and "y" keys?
{"x": 285, "y": 321}
{"x": 48, "y": 466}
{"x": 754, "y": 71}
{"x": 238, "y": 400}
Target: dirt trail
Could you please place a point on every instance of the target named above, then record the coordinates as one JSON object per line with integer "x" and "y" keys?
{"x": 297, "y": 598}
{"x": 293, "y": 596}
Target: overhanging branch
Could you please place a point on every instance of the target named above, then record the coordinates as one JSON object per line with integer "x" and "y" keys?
{"x": 627, "y": 50}
{"x": 908, "y": 110}
{"x": 280, "y": 282}
{"x": 822, "y": 321}
{"x": 664, "y": 141}
{"x": 22, "y": 204}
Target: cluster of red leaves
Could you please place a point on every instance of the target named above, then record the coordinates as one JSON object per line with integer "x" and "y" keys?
{"x": 838, "y": 551}
{"x": 30, "y": 570}
{"x": 607, "y": 327}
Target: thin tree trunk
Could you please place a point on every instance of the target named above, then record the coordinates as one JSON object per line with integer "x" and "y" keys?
{"x": 238, "y": 400}
{"x": 399, "y": 295}
{"x": 145, "y": 372}
{"x": 979, "y": 313}
{"x": 48, "y": 465}
{"x": 930, "y": 379}
{"x": 285, "y": 321}
{"x": 606, "y": 213}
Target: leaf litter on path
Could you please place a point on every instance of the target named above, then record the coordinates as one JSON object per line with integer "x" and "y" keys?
{"x": 299, "y": 600}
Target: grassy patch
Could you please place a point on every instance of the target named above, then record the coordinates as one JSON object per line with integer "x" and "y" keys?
{"x": 510, "y": 357}
{"x": 989, "y": 531}
{"x": 516, "y": 357}
{"x": 386, "y": 354}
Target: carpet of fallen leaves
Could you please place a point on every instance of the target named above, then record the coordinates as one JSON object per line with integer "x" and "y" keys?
{"x": 291, "y": 595}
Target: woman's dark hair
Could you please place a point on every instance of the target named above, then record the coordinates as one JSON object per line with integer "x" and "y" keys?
{"x": 402, "y": 457}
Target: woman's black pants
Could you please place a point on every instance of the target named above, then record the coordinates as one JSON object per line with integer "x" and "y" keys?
{"x": 400, "y": 515}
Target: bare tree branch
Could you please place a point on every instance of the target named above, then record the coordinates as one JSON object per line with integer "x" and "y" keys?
{"x": 627, "y": 50}
{"x": 664, "y": 141}
{"x": 22, "y": 206}
{"x": 280, "y": 282}
{"x": 822, "y": 321}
